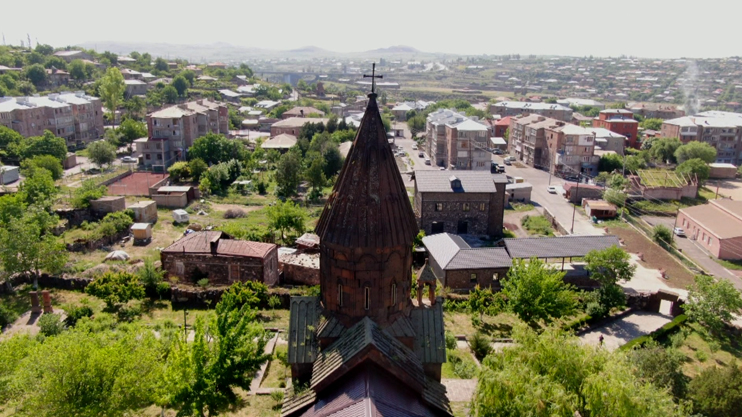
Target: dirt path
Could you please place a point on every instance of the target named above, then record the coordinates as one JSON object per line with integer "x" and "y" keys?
{"x": 225, "y": 207}
{"x": 512, "y": 219}
{"x": 621, "y": 331}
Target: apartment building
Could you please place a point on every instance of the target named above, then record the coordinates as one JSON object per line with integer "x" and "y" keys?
{"x": 155, "y": 153}
{"x": 619, "y": 121}
{"x": 435, "y": 147}
{"x": 181, "y": 125}
{"x": 523, "y": 108}
{"x": 722, "y": 130}
{"x": 571, "y": 150}
{"x": 466, "y": 146}
{"x": 76, "y": 117}
{"x": 527, "y": 141}
{"x": 656, "y": 111}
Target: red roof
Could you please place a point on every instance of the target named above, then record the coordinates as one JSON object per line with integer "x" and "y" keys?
{"x": 197, "y": 242}
{"x": 200, "y": 242}
{"x": 505, "y": 121}
{"x": 247, "y": 248}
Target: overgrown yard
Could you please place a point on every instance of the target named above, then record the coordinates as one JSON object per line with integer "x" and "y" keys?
{"x": 495, "y": 326}
{"x": 654, "y": 256}
{"x": 460, "y": 364}
{"x": 277, "y": 372}
{"x": 537, "y": 225}
{"x": 704, "y": 351}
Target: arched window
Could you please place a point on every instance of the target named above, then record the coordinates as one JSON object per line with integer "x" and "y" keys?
{"x": 366, "y": 298}
{"x": 394, "y": 294}
{"x": 340, "y": 295}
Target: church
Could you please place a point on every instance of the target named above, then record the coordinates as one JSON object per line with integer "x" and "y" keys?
{"x": 364, "y": 347}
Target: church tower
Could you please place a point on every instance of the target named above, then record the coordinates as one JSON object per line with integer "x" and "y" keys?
{"x": 366, "y": 232}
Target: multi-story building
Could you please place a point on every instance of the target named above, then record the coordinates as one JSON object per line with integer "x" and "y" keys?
{"x": 571, "y": 150}
{"x": 73, "y": 116}
{"x": 466, "y": 145}
{"x": 722, "y": 130}
{"x": 608, "y": 141}
{"x": 292, "y": 126}
{"x": 523, "y": 108}
{"x": 436, "y": 134}
{"x": 656, "y": 111}
{"x": 182, "y": 124}
{"x": 619, "y": 121}
{"x": 527, "y": 141}
{"x": 155, "y": 153}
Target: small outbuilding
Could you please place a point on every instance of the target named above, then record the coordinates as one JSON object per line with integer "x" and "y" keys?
{"x": 70, "y": 161}
{"x": 721, "y": 171}
{"x": 180, "y": 216}
{"x": 142, "y": 233}
{"x": 519, "y": 191}
{"x": 600, "y": 209}
{"x": 108, "y": 204}
{"x": 144, "y": 211}
{"x": 8, "y": 174}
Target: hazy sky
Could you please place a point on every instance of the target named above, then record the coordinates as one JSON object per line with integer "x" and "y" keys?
{"x": 645, "y": 28}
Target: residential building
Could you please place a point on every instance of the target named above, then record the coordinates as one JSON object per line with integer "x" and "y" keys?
{"x": 576, "y": 192}
{"x": 656, "y": 111}
{"x": 605, "y": 140}
{"x": 501, "y": 127}
{"x": 387, "y": 350}
{"x": 181, "y": 125}
{"x": 460, "y": 202}
{"x": 293, "y": 125}
{"x": 219, "y": 258}
{"x": 722, "y": 130}
{"x": 130, "y": 74}
{"x": 282, "y": 142}
{"x": 73, "y": 116}
{"x": 466, "y": 144}
{"x": 715, "y": 226}
{"x": 400, "y": 110}
{"x": 230, "y": 96}
{"x": 581, "y": 102}
{"x": 155, "y": 153}
{"x": 571, "y": 150}
{"x": 599, "y": 209}
{"x": 436, "y": 134}
{"x": 528, "y": 141}
{"x": 523, "y": 108}
{"x": 619, "y": 121}
{"x": 135, "y": 88}
{"x": 302, "y": 112}
{"x": 70, "y": 56}
{"x": 56, "y": 77}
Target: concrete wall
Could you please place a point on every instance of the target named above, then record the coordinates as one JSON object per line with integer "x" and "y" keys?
{"x": 145, "y": 213}
{"x": 722, "y": 172}
{"x": 297, "y": 272}
{"x": 219, "y": 269}
{"x": 108, "y": 204}
{"x": 172, "y": 200}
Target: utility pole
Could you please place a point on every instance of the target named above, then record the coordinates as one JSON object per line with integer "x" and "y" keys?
{"x": 574, "y": 207}
{"x": 717, "y": 190}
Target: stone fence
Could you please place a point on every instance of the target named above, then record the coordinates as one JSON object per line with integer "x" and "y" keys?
{"x": 554, "y": 222}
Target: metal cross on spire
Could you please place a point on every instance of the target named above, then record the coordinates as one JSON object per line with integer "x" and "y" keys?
{"x": 373, "y": 77}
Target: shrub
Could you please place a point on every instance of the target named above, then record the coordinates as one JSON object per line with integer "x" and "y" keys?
{"x": 262, "y": 187}
{"x": 450, "y": 341}
{"x": 203, "y": 283}
{"x": 465, "y": 370}
{"x": 277, "y": 396}
{"x": 701, "y": 356}
{"x": 7, "y": 316}
{"x": 717, "y": 392}
{"x": 116, "y": 287}
{"x": 508, "y": 233}
{"x": 50, "y": 325}
{"x": 537, "y": 225}
{"x": 88, "y": 191}
{"x": 252, "y": 293}
{"x": 129, "y": 312}
{"x": 151, "y": 277}
{"x": 234, "y": 214}
{"x": 76, "y": 313}
{"x": 662, "y": 234}
{"x": 480, "y": 345}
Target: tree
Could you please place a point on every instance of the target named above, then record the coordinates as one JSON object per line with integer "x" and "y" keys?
{"x": 190, "y": 76}
{"x": 635, "y": 163}
{"x": 77, "y": 70}
{"x": 315, "y": 174}
{"x": 116, "y": 287}
{"x": 609, "y": 266}
{"x": 225, "y": 353}
{"x": 46, "y": 144}
{"x": 39, "y": 189}
{"x": 180, "y": 84}
{"x": 135, "y": 106}
{"x": 161, "y": 64}
{"x": 89, "y": 190}
{"x": 663, "y": 149}
{"x": 662, "y": 234}
{"x": 111, "y": 89}
{"x": 10, "y": 143}
{"x": 101, "y": 153}
{"x": 131, "y": 130}
{"x": 150, "y": 276}
{"x": 553, "y": 374}
{"x": 482, "y": 300}
{"x": 285, "y": 216}
{"x": 651, "y": 124}
{"x": 717, "y": 391}
{"x": 534, "y": 291}
{"x": 661, "y": 366}
{"x": 48, "y": 162}
{"x": 36, "y": 73}
{"x": 26, "y": 249}
{"x": 333, "y": 161}
{"x": 214, "y": 148}
{"x": 288, "y": 174}
{"x": 197, "y": 167}
{"x": 178, "y": 171}
{"x": 695, "y": 167}
{"x": 610, "y": 162}
{"x": 416, "y": 124}
{"x": 713, "y": 303}
{"x": 170, "y": 94}
{"x": 615, "y": 197}
{"x": 695, "y": 149}
{"x": 44, "y": 49}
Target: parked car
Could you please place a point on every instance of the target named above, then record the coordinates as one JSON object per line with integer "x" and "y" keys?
{"x": 421, "y": 154}
{"x": 414, "y": 147}
{"x": 551, "y": 189}
{"x": 506, "y": 161}
{"x": 498, "y": 151}
{"x": 679, "y": 231}
{"x": 509, "y": 158}
{"x": 129, "y": 159}
{"x": 497, "y": 168}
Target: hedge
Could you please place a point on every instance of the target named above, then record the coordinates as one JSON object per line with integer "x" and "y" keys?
{"x": 658, "y": 334}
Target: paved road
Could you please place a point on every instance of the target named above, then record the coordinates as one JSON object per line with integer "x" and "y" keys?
{"x": 621, "y": 331}
{"x": 699, "y": 255}
{"x": 556, "y": 203}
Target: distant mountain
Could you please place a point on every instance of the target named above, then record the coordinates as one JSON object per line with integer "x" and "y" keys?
{"x": 311, "y": 50}
{"x": 399, "y": 49}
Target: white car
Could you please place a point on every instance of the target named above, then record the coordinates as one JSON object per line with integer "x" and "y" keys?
{"x": 552, "y": 189}
{"x": 129, "y": 159}
{"x": 679, "y": 231}
{"x": 414, "y": 147}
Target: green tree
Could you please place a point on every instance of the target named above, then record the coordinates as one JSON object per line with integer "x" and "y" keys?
{"x": 651, "y": 124}
{"x": 534, "y": 291}
{"x": 150, "y": 276}
{"x": 131, "y": 130}
{"x": 197, "y": 167}
{"x": 663, "y": 149}
{"x": 77, "y": 70}
{"x": 482, "y": 300}
{"x": 111, "y": 89}
{"x": 47, "y": 162}
{"x": 170, "y": 94}
{"x": 225, "y": 353}
{"x": 39, "y": 189}
{"x": 190, "y": 76}
{"x": 213, "y": 148}
{"x": 46, "y": 144}
{"x": 609, "y": 266}
{"x": 161, "y": 64}
{"x": 552, "y": 374}
{"x": 136, "y": 106}
{"x": 713, "y": 303}
{"x": 26, "y": 249}
{"x": 615, "y": 197}
{"x": 416, "y": 124}
{"x": 44, "y": 49}
{"x": 610, "y": 162}
{"x": 101, "y": 153}
{"x": 89, "y": 190}
{"x": 661, "y": 366}
{"x": 717, "y": 391}
{"x": 115, "y": 288}
{"x": 36, "y": 73}
{"x": 662, "y": 234}
{"x": 315, "y": 173}
{"x": 10, "y": 143}
{"x": 178, "y": 171}
{"x": 180, "y": 84}
{"x": 286, "y": 216}
{"x": 695, "y": 167}
{"x": 693, "y": 150}
{"x": 288, "y": 174}
{"x": 635, "y": 163}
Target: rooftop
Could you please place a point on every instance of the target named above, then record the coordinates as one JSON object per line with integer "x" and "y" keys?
{"x": 298, "y": 121}
{"x": 557, "y": 247}
{"x": 282, "y": 141}
{"x": 430, "y": 181}
{"x": 723, "y": 217}
{"x": 526, "y": 105}
{"x": 452, "y": 253}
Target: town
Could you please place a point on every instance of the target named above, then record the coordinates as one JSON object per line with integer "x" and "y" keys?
{"x": 389, "y": 233}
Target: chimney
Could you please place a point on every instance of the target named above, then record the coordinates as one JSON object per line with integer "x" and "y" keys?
{"x": 301, "y": 111}
{"x": 214, "y": 244}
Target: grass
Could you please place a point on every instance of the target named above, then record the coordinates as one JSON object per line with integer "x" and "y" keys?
{"x": 498, "y": 326}
{"x": 661, "y": 178}
{"x": 703, "y": 351}
{"x": 463, "y": 355}
{"x": 729, "y": 264}
{"x": 276, "y": 374}
{"x": 537, "y": 225}
{"x": 460, "y": 408}
{"x": 519, "y": 207}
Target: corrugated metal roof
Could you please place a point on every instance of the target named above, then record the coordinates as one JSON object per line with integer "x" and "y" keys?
{"x": 196, "y": 242}
{"x": 330, "y": 327}
{"x": 430, "y": 343}
{"x": 443, "y": 247}
{"x": 481, "y": 257}
{"x": 558, "y": 247}
{"x": 431, "y": 181}
{"x": 303, "y": 317}
{"x": 233, "y": 247}
{"x": 402, "y": 327}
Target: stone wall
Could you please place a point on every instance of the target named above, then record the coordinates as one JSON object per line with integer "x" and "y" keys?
{"x": 483, "y": 217}
{"x": 462, "y": 280}
{"x": 116, "y": 178}
{"x": 554, "y": 222}
{"x": 300, "y": 269}
{"x": 218, "y": 269}
{"x": 75, "y": 217}
{"x": 89, "y": 245}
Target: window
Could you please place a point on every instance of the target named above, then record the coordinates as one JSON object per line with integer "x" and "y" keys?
{"x": 481, "y": 206}
{"x": 179, "y": 268}
{"x": 147, "y": 156}
{"x": 465, "y": 207}
{"x": 366, "y": 298}
{"x": 495, "y": 276}
{"x": 340, "y": 295}
{"x": 438, "y": 206}
{"x": 473, "y": 278}
{"x": 394, "y": 294}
